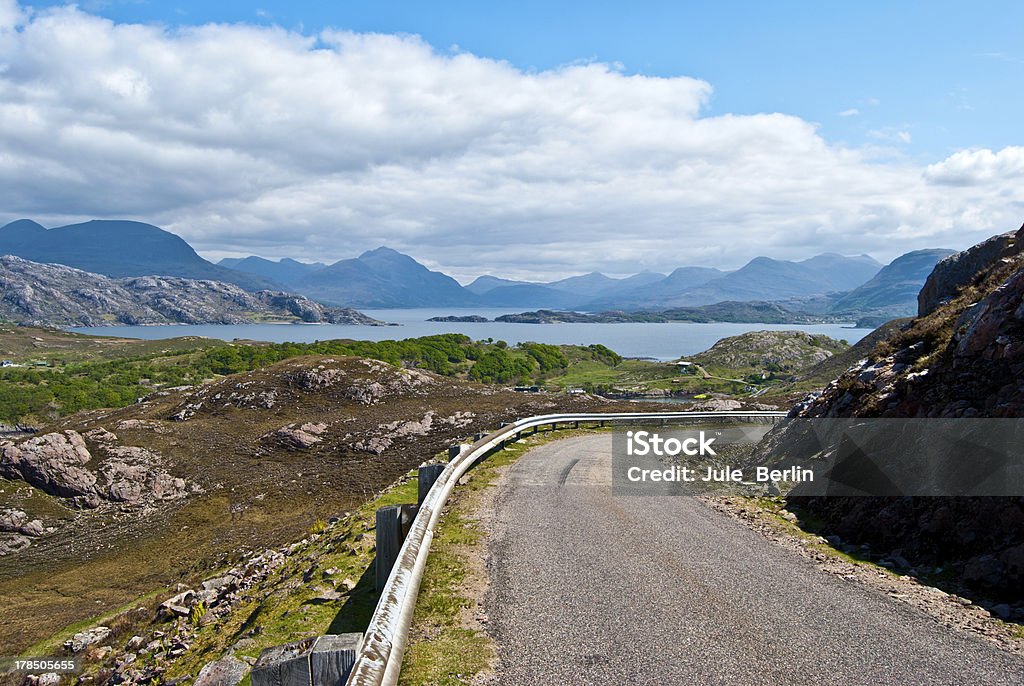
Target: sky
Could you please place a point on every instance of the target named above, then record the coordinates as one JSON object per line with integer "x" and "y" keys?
{"x": 528, "y": 140}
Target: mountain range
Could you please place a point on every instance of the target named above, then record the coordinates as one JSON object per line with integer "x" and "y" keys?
{"x": 37, "y": 294}
{"x": 827, "y": 284}
{"x": 387, "y": 278}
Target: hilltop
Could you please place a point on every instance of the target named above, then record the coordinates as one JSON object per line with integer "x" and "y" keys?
{"x": 773, "y": 352}
{"x": 119, "y": 248}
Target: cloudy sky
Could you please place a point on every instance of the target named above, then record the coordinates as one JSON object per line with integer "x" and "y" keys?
{"x": 532, "y": 141}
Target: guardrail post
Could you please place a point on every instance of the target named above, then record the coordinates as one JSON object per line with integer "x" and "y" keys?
{"x": 575, "y": 425}
{"x": 320, "y": 661}
{"x": 428, "y": 474}
{"x": 477, "y": 437}
{"x": 393, "y": 522}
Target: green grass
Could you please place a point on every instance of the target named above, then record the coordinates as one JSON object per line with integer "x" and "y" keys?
{"x": 445, "y": 652}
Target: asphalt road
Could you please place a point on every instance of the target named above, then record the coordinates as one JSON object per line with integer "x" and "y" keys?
{"x": 590, "y": 589}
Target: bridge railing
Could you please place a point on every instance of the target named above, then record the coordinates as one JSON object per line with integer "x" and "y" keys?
{"x": 379, "y": 659}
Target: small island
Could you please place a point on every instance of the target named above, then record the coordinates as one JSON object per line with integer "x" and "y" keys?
{"x": 470, "y": 319}
{"x": 736, "y": 312}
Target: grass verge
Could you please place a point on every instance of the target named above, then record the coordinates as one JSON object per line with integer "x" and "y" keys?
{"x": 448, "y": 646}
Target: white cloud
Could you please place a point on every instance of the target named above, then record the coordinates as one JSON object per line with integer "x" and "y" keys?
{"x": 891, "y": 134}
{"x": 852, "y": 112}
{"x": 979, "y": 167}
{"x": 248, "y": 139}
{"x": 11, "y": 15}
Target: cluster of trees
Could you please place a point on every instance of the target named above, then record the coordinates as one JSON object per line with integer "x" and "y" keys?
{"x": 438, "y": 353}
{"x": 85, "y": 386}
{"x": 52, "y": 392}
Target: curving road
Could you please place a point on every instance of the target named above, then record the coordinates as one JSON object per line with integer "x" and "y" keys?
{"x": 588, "y": 589}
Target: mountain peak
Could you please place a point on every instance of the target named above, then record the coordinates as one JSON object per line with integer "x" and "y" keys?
{"x": 22, "y": 226}
{"x": 383, "y": 251}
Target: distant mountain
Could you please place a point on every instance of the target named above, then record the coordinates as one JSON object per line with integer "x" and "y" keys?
{"x": 531, "y": 295}
{"x": 639, "y": 280}
{"x": 482, "y": 284}
{"x": 592, "y": 284}
{"x": 384, "y": 278}
{"x": 893, "y": 291}
{"x": 842, "y": 272}
{"x": 649, "y": 293}
{"x": 56, "y": 295}
{"x": 575, "y": 291}
{"x": 118, "y": 248}
{"x": 285, "y": 271}
{"x": 763, "y": 278}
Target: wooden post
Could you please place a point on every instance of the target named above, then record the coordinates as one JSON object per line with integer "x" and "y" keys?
{"x": 454, "y": 451}
{"x": 393, "y": 524}
{"x": 319, "y": 661}
{"x": 427, "y": 476}
{"x": 477, "y": 437}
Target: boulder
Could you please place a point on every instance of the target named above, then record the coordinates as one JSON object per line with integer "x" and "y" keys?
{"x": 305, "y": 436}
{"x": 84, "y": 639}
{"x": 52, "y": 462}
{"x": 227, "y": 671}
{"x": 12, "y": 543}
{"x": 17, "y": 522}
{"x": 177, "y": 606}
{"x": 984, "y": 570}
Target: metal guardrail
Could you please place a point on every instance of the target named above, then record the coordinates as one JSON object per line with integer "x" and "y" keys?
{"x": 380, "y": 656}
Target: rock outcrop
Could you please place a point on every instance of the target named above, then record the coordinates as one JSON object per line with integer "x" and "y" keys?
{"x": 54, "y": 295}
{"x": 61, "y": 464}
{"x": 960, "y": 269}
{"x": 18, "y": 522}
{"x": 54, "y": 463}
{"x": 963, "y": 358}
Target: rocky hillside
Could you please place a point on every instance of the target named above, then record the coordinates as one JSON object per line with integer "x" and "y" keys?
{"x": 107, "y": 505}
{"x": 54, "y": 295}
{"x": 963, "y": 357}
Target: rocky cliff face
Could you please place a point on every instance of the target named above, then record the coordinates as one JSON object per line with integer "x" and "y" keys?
{"x": 54, "y": 295}
{"x": 963, "y": 357}
{"x": 962, "y": 268}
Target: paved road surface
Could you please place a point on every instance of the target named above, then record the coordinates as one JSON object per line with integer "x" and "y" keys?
{"x": 660, "y": 591}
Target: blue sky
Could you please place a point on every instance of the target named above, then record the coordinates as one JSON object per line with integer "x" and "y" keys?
{"x": 947, "y": 74}
{"x": 529, "y": 140}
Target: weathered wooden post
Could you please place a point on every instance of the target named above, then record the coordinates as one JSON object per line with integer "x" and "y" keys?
{"x": 393, "y": 522}
{"x": 477, "y": 437}
{"x": 318, "y": 661}
{"x": 428, "y": 474}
